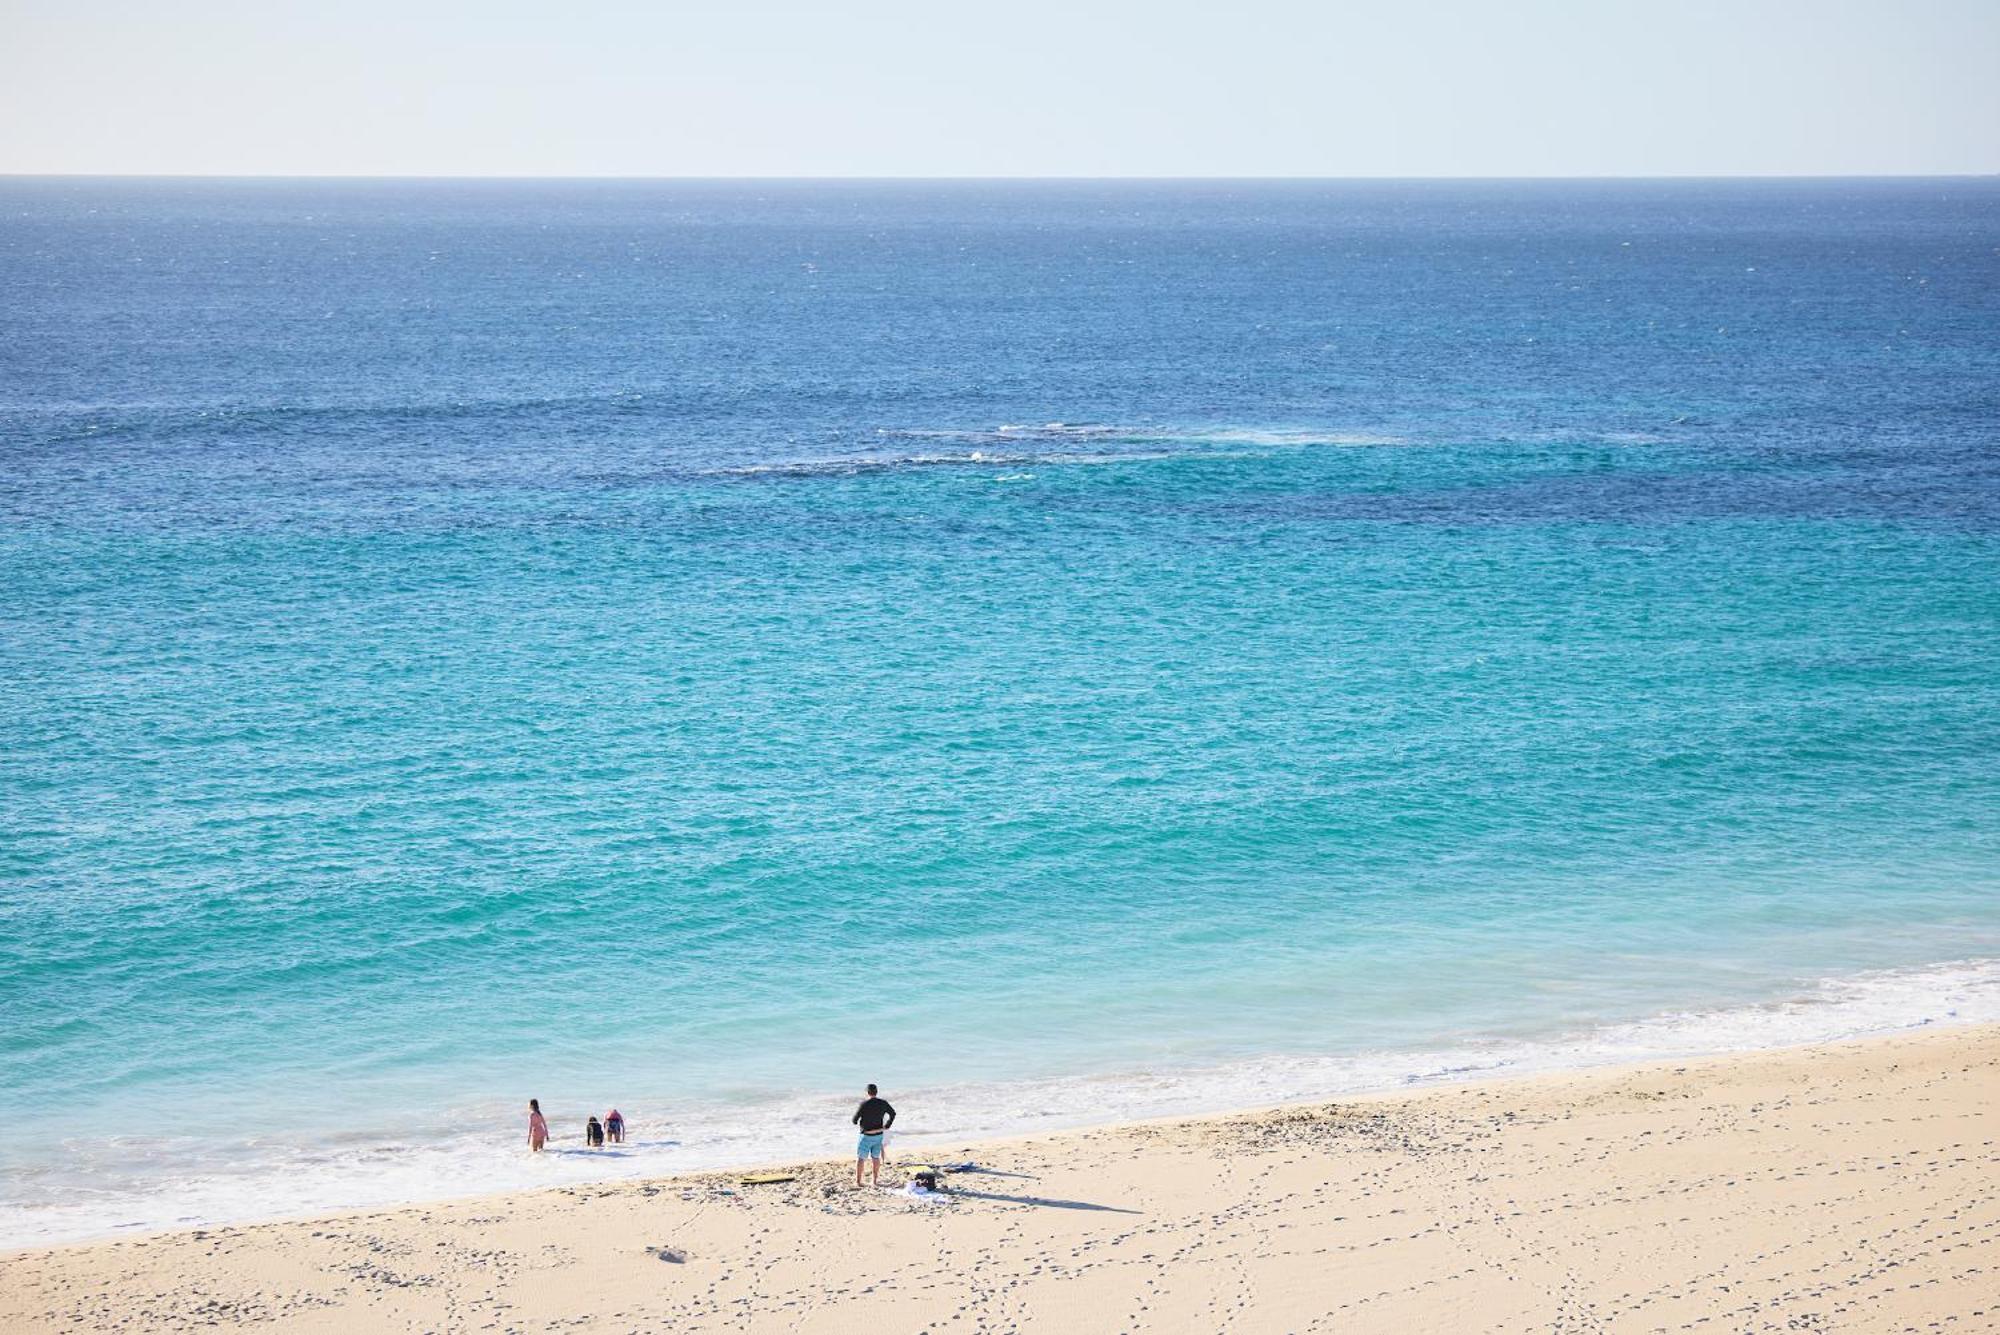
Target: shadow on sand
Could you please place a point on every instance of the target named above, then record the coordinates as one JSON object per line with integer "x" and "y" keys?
{"x": 1048, "y": 1201}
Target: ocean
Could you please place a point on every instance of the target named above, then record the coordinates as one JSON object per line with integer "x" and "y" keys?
{"x": 1062, "y": 651}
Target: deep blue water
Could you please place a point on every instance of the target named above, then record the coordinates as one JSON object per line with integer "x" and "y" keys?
{"x": 702, "y": 646}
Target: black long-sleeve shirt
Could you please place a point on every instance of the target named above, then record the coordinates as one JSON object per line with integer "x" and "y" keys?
{"x": 874, "y": 1115}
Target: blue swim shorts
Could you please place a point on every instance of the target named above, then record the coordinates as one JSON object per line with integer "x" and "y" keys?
{"x": 871, "y": 1146}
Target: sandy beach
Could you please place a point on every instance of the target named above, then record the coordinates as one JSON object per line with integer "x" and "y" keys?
{"x": 1849, "y": 1187}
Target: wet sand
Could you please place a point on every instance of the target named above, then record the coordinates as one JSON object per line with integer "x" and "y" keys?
{"x": 1848, "y": 1187}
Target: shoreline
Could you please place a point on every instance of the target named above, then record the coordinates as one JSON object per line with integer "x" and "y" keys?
{"x": 375, "y": 1171}
{"x": 1714, "y": 1169}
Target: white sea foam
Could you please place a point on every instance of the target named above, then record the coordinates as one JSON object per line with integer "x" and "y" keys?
{"x": 853, "y": 465}
{"x": 110, "y": 1186}
{"x": 1057, "y": 444}
{"x": 1015, "y": 433}
{"x": 1176, "y": 441}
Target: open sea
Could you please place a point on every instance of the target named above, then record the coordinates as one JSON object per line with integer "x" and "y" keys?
{"x": 1062, "y": 651}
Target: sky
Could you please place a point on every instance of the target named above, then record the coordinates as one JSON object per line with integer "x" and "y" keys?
{"x": 1017, "y": 88}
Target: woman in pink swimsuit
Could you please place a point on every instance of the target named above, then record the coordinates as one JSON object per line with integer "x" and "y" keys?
{"x": 538, "y": 1129}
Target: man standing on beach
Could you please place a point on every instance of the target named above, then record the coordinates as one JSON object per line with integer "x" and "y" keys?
{"x": 874, "y": 1117}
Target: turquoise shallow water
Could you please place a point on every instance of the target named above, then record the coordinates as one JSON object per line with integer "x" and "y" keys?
{"x": 1076, "y": 649}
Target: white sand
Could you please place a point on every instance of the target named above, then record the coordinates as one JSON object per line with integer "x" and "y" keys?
{"x": 1853, "y": 1187}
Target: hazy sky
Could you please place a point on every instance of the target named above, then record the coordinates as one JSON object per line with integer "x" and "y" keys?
{"x": 1019, "y": 87}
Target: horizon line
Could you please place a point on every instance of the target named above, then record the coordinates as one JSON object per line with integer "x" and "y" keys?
{"x": 990, "y": 177}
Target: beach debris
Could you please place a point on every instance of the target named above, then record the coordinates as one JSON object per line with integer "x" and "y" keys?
{"x": 669, "y": 1254}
